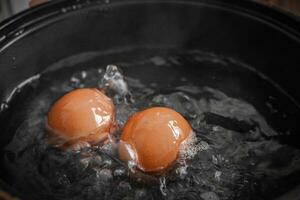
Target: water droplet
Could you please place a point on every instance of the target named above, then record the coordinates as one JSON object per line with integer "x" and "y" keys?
{"x": 163, "y": 186}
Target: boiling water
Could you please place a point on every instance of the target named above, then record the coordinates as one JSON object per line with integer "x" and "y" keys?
{"x": 236, "y": 154}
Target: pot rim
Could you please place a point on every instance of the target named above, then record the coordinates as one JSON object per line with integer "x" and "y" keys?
{"x": 17, "y": 26}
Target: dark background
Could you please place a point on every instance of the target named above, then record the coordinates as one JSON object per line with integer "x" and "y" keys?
{"x": 9, "y": 7}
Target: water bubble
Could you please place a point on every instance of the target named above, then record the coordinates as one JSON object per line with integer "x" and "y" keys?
{"x": 107, "y": 162}
{"x": 120, "y": 172}
{"x": 163, "y": 186}
{"x": 85, "y": 162}
{"x": 182, "y": 171}
{"x": 91, "y": 160}
{"x": 203, "y": 145}
{"x": 189, "y": 148}
{"x": 104, "y": 174}
{"x": 113, "y": 81}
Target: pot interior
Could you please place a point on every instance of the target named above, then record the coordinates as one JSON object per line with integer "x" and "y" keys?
{"x": 231, "y": 72}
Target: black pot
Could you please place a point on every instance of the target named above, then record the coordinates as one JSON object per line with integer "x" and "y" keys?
{"x": 261, "y": 37}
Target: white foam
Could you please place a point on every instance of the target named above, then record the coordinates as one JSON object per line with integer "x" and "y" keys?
{"x": 188, "y": 148}
{"x": 114, "y": 80}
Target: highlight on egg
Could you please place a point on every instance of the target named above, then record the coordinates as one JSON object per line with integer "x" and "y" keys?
{"x": 81, "y": 118}
{"x": 151, "y": 139}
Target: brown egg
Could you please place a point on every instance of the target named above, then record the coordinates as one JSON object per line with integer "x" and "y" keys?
{"x": 152, "y": 138}
{"x": 80, "y": 118}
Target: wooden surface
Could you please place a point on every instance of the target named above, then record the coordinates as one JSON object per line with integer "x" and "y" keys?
{"x": 289, "y": 5}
